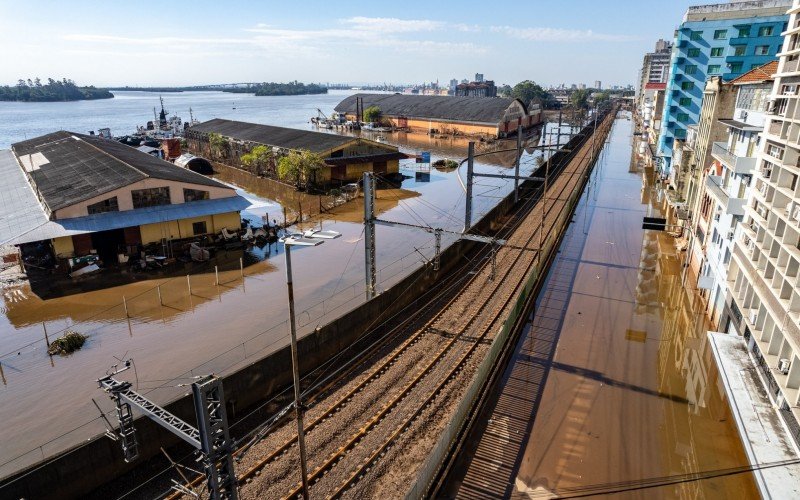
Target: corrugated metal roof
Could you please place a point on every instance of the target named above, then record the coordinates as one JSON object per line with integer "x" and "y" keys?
{"x": 433, "y": 107}
{"x": 68, "y": 168}
{"x": 281, "y": 137}
{"x": 115, "y": 220}
{"x": 20, "y": 210}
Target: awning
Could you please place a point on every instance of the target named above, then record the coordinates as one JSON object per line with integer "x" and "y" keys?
{"x": 739, "y": 125}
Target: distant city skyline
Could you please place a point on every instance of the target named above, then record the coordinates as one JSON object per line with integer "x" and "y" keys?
{"x": 354, "y": 42}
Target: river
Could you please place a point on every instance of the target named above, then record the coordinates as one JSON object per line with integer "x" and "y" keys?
{"x": 46, "y": 403}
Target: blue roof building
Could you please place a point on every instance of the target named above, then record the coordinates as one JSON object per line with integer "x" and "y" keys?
{"x": 724, "y": 40}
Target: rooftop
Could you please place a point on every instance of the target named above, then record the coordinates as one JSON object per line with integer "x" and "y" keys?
{"x": 760, "y": 74}
{"x": 452, "y": 108}
{"x": 281, "y": 137}
{"x": 68, "y": 168}
{"x": 655, "y": 86}
{"x": 737, "y": 9}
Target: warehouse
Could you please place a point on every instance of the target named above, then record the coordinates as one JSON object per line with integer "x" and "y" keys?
{"x": 347, "y": 158}
{"x": 68, "y": 195}
{"x": 457, "y": 115}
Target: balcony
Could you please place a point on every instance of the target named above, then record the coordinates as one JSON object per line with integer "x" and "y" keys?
{"x": 790, "y": 66}
{"x": 737, "y": 164}
{"x": 732, "y": 206}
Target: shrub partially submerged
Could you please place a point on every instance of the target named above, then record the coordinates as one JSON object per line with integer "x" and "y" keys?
{"x": 70, "y": 342}
{"x": 445, "y": 164}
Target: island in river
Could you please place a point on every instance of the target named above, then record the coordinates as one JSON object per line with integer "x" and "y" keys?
{"x": 259, "y": 89}
{"x": 53, "y": 90}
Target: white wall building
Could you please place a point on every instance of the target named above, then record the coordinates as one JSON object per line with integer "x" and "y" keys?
{"x": 765, "y": 270}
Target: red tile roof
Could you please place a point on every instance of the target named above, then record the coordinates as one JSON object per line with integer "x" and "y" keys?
{"x": 655, "y": 86}
{"x": 760, "y": 74}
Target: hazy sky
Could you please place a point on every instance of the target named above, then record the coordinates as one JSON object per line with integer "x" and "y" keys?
{"x": 179, "y": 43}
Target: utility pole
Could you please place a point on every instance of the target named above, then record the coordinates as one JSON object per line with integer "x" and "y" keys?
{"x": 298, "y": 405}
{"x": 516, "y": 164}
{"x": 468, "y": 204}
{"x": 211, "y": 437}
{"x": 369, "y": 234}
{"x": 437, "y": 258}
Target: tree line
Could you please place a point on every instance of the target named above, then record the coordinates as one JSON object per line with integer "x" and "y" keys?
{"x": 273, "y": 88}
{"x": 54, "y": 90}
{"x": 529, "y": 91}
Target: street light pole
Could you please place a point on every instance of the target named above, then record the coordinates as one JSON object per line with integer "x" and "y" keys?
{"x": 298, "y": 405}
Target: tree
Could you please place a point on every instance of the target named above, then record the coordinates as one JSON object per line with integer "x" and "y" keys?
{"x": 580, "y": 98}
{"x": 529, "y": 91}
{"x": 601, "y": 98}
{"x": 372, "y": 114}
{"x": 261, "y": 159}
{"x": 505, "y": 91}
{"x": 218, "y": 145}
{"x": 300, "y": 167}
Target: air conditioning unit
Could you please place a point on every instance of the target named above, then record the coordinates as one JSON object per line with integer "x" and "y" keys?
{"x": 753, "y": 316}
{"x": 783, "y": 366}
{"x": 716, "y": 216}
{"x": 766, "y": 173}
{"x": 796, "y": 213}
{"x": 730, "y": 233}
{"x": 743, "y": 115}
{"x": 751, "y": 245}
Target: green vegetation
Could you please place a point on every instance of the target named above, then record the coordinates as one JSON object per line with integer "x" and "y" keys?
{"x": 53, "y": 90}
{"x": 218, "y": 145}
{"x": 580, "y": 98}
{"x": 601, "y": 98}
{"x": 531, "y": 92}
{"x": 260, "y": 160}
{"x": 70, "y": 342}
{"x": 445, "y": 164}
{"x": 372, "y": 114}
{"x": 505, "y": 91}
{"x": 300, "y": 168}
{"x": 272, "y": 88}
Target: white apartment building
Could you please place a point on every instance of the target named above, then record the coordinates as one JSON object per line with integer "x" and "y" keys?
{"x": 728, "y": 183}
{"x": 765, "y": 269}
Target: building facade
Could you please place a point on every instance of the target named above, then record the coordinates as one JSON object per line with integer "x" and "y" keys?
{"x": 764, "y": 298}
{"x": 655, "y": 67}
{"x": 724, "y": 40}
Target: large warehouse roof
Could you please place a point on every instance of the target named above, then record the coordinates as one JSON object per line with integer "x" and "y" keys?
{"x": 281, "y": 137}
{"x": 433, "y": 107}
{"x": 68, "y": 168}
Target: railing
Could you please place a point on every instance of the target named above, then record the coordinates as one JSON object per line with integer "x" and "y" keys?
{"x": 724, "y": 153}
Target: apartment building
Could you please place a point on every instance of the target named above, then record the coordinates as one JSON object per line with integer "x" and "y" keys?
{"x": 724, "y": 40}
{"x": 727, "y": 183}
{"x": 655, "y": 67}
{"x": 764, "y": 298}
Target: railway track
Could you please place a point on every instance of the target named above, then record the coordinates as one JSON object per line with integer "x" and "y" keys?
{"x": 412, "y": 374}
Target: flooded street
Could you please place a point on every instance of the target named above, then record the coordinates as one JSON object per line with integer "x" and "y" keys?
{"x": 612, "y": 389}
{"x": 173, "y": 335}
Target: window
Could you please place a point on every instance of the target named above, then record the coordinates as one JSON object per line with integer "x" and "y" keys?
{"x": 687, "y": 85}
{"x": 739, "y": 50}
{"x": 199, "y": 228}
{"x": 720, "y": 34}
{"x": 685, "y": 101}
{"x": 762, "y": 50}
{"x": 736, "y": 67}
{"x": 696, "y": 35}
{"x": 152, "y": 197}
{"x": 109, "y": 205}
{"x": 680, "y": 134}
{"x": 713, "y": 69}
{"x": 690, "y": 69}
{"x": 765, "y": 31}
{"x": 744, "y": 32}
{"x": 775, "y": 151}
{"x": 693, "y": 52}
{"x": 754, "y": 66}
{"x": 194, "y": 195}
{"x": 717, "y": 52}
{"x": 683, "y": 117}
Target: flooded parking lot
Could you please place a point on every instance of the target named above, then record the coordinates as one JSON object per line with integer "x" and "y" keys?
{"x": 178, "y": 327}
{"x": 612, "y": 389}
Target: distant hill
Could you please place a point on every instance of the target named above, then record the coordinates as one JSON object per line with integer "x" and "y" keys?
{"x": 53, "y": 90}
{"x": 259, "y": 89}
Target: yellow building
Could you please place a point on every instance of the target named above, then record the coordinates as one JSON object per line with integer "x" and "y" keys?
{"x": 456, "y": 115}
{"x": 347, "y": 158}
{"x": 85, "y": 195}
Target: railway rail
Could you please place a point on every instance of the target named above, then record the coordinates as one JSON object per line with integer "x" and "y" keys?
{"x": 394, "y": 389}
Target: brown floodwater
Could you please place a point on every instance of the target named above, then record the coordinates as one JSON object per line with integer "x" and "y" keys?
{"x": 612, "y": 385}
{"x": 46, "y": 402}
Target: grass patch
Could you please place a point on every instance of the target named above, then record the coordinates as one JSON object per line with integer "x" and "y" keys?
{"x": 68, "y": 343}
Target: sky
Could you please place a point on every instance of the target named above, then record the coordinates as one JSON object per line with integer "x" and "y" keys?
{"x": 109, "y": 43}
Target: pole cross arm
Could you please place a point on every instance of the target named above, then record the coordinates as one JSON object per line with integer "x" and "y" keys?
{"x": 161, "y": 416}
{"x": 433, "y": 230}
{"x": 507, "y": 176}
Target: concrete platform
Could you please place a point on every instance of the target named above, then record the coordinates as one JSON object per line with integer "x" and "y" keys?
{"x": 764, "y": 436}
